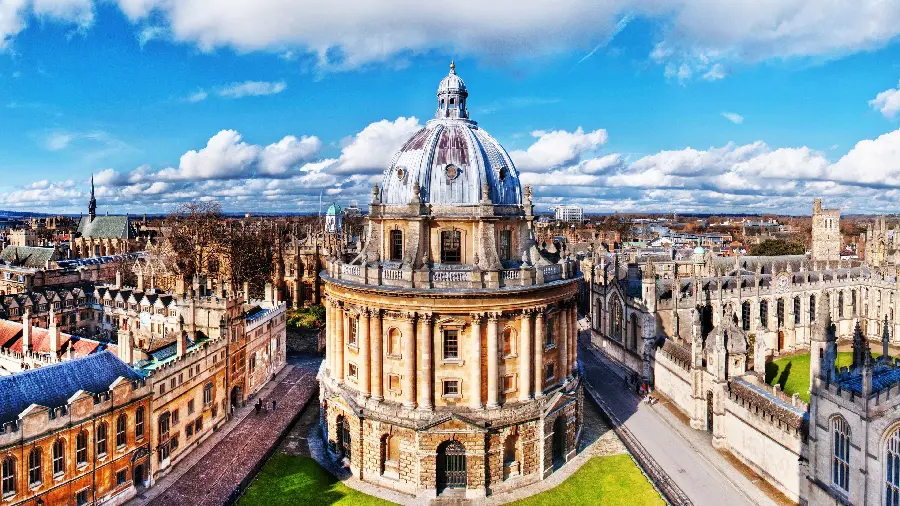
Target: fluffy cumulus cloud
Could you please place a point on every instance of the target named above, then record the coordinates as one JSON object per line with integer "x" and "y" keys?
{"x": 696, "y": 36}
{"x": 557, "y": 148}
{"x": 371, "y": 149}
{"x": 887, "y": 102}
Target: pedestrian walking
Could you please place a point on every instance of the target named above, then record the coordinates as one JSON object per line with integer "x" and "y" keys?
{"x": 274, "y": 403}
{"x": 258, "y": 406}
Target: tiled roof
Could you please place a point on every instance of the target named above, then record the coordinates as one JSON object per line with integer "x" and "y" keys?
{"x": 28, "y": 256}
{"x": 106, "y": 227}
{"x": 882, "y": 378}
{"x": 11, "y": 339}
{"x": 53, "y": 385}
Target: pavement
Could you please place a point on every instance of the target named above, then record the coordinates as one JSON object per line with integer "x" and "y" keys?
{"x": 214, "y": 471}
{"x": 686, "y": 455}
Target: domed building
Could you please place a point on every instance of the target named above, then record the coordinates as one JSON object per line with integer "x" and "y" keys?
{"x": 451, "y": 353}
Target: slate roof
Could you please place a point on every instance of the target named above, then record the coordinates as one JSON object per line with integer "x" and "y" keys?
{"x": 53, "y": 385}
{"x": 28, "y": 256}
{"x": 106, "y": 227}
{"x": 882, "y": 379}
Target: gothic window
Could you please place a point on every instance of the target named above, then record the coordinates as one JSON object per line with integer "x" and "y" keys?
{"x": 9, "y": 477}
{"x": 764, "y": 313}
{"x": 81, "y": 448}
{"x": 509, "y": 342}
{"x": 892, "y": 470}
{"x": 34, "y": 467}
{"x": 779, "y": 312}
{"x": 840, "y": 304}
{"x": 745, "y": 315}
{"x": 451, "y": 247}
{"x": 393, "y": 344}
{"x": 796, "y": 310}
{"x": 396, "y": 245}
{"x": 840, "y": 456}
{"x": 139, "y": 422}
{"x": 121, "y": 424}
{"x": 812, "y": 308}
{"x": 853, "y": 303}
{"x": 505, "y": 245}
{"x": 451, "y": 344}
{"x": 59, "y": 457}
{"x": 101, "y": 439}
{"x": 634, "y": 333}
{"x": 617, "y": 321}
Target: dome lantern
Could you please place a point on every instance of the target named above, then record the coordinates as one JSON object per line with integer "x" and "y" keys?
{"x": 452, "y": 96}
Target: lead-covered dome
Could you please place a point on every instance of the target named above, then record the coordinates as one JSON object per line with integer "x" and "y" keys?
{"x": 452, "y": 159}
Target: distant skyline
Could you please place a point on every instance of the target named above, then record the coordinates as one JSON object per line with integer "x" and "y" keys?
{"x": 691, "y": 106}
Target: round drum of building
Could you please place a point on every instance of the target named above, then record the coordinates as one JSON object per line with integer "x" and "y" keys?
{"x": 451, "y": 352}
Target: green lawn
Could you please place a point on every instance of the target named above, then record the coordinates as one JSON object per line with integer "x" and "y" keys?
{"x": 792, "y": 373}
{"x": 288, "y": 480}
{"x": 611, "y": 481}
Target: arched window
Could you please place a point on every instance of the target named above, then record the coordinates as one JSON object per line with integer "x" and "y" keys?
{"x": 59, "y": 457}
{"x": 452, "y": 103}
{"x": 34, "y": 467}
{"x": 510, "y": 446}
{"x": 101, "y": 438}
{"x": 764, "y": 313}
{"x": 163, "y": 434}
{"x": 796, "y": 310}
{"x": 8, "y": 477}
{"x": 121, "y": 424}
{"x": 853, "y": 303}
{"x": 451, "y": 247}
{"x": 892, "y": 469}
{"x": 393, "y": 342}
{"x": 779, "y": 312}
{"x": 616, "y": 320}
{"x": 812, "y": 308}
{"x": 840, "y": 455}
{"x": 840, "y": 304}
{"x": 634, "y": 333}
{"x": 396, "y": 240}
{"x": 745, "y": 315}
{"x": 81, "y": 448}
{"x": 139, "y": 423}
{"x": 509, "y": 342}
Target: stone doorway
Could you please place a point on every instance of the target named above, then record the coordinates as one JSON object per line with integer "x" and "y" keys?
{"x": 780, "y": 340}
{"x": 559, "y": 441}
{"x": 451, "y": 467}
{"x": 236, "y": 396}
{"x": 139, "y": 476}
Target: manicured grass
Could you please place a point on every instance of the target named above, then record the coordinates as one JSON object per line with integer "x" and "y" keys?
{"x": 792, "y": 373}
{"x": 288, "y": 480}
{"x": 614, "y": 480}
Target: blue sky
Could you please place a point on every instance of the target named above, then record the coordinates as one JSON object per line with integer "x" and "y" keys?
{"x": 640, "y": 105}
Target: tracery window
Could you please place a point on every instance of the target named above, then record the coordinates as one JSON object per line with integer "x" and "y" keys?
{"x": 101, "y": 439}
{"x": 34, "y": 467}
{"x": 779, "y": 312}
{"x": 745, "y": 315}
{"x": 892, "y": 470}
{"x": 812, "y": 308}
{"x": 139, "y": 422}
{"x": 121, "y": 424}
{"x": 796, "y": 310}
{"x": 617, "y": 321}
{"x": 764, "y": 313}
{"x": 59, "y": 457}
{"x": 81, "y": 448}
{"x": 840, "y": 304}
{"x": 840, "y": 455}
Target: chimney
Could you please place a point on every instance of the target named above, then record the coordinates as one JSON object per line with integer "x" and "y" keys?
{"x": 246, "y": 291}
{"x": 118, "y": 279}
{"x": 54, "y": 333}
{"x": 26, "y": 331}
{"x": 181, "y": 345}
{"x": 269, "y": 293}
{"x": 126, "y": 346}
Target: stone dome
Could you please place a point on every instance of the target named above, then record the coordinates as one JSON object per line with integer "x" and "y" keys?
{"x": 451, "y": 159}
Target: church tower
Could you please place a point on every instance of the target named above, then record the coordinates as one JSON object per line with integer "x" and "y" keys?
{"x": 826, "y": 233}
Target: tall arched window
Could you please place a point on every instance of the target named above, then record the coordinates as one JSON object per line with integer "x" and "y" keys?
{"x": 812, "y": 308}
{"x": 59, "y": 457}
{"x": 81, "y": 448}
{"x": 121, "y": 425}
{"x": 853, "y": 302}
{"x": 779, "y": 312}
{"x": 796, "y": 310}
{"x": 396, "y": 240}
{"x": 101, "y": 438}
{"x": 841, "y": 304}
{"x": 139, "y": 423}
{"x": 34, "y": 467}
{"x": 8, "y": 477}
{"x": 617, "y": 319}
{"x": 892, "y": 469}
{"x": 840, "y": 455}
{"x": 634, "y": 333}
{"x": 745, "y": 315}
{"x": 764, "y": 313}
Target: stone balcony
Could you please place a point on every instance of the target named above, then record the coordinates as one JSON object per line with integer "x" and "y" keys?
{"x": 456, "y": 276}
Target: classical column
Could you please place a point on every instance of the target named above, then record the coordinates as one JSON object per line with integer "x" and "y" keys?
{"x": 364, "y": 353}
{"x": 345, "y": 323}
{"x": 338, "y": 369}
{"x": 409, "y": 357}
{"x": 562, "y": 343}
{"x": 475, "y": 363}
{"x": 525, "y": 347}
{"x": 493, "y": 361}
{"x": 377, "y": 351}
{"x": 539, "y": 353}
{"x": 573, "y": 340}
{"x": 329, "y": 330}
{"x": 426, "y": 381}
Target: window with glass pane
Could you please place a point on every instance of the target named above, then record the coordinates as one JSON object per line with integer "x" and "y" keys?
{"x": 9, "y": 477}
{"x": 892, "y": 470}
{"x": 81, "y": 448}
{"x": 451, "y": 387}
{"x": 101, "y": 439}
{"x": 59, "y": 457}
{"x": 764, "y": 313}
{"x": 451, "y": 247}
{"x": 505, "y": 245}
{"x": 745, "y": 315}
{"x": 396, "y": 245}
{"x": 121, "y": 423}
{"x": 139, "y": 422}
{"x": 34, "y": 466}
{"x": 796, "y": 310}
{"x": 451, "y": 344}
{"x": 840, "y": 459}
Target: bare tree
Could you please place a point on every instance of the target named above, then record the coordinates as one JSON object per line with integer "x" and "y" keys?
{"x": 193, "y": 235}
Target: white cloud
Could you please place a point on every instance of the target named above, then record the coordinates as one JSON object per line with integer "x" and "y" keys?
{"x": 715, "y": 72}
{"x": 733, "y": 117}
{"x": 197, "y": 96}
{"x": 252, "y": 89}
{"x": 370, "y": 150}
{"x": 58, "y": 141}
{"x": 887, "y": 102}
{"x": 556, "y": 148}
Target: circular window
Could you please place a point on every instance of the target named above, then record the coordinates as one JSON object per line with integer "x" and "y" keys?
{"x": 502, "y": 173}
{"x": 401, "y": 173}
{"x": 452, "y": 171}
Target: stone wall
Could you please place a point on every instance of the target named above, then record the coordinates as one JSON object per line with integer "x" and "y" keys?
{"x": 614, "y": 350}
{"x": 305, "y": 340}
{"x": 672, "y": 378}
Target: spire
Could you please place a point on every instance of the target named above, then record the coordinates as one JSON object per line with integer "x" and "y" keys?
{"x": 860, "y": 348}
{"x": 92, "y": 204}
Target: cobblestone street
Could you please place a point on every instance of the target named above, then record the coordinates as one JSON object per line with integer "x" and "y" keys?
{"x": 212, "y": 479}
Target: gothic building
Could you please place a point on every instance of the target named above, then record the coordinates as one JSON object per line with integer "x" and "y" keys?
{"x": 451, "y": 337}
{"x": 99, "y": 236}
{"x": 826, "y": 233}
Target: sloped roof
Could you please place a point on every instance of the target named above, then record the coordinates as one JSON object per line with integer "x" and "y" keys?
{"x": 28, "y": 256}
{"x": 53, "y": 385}
{"x": 11, "y": 339}
{"x": 106, "y": 227}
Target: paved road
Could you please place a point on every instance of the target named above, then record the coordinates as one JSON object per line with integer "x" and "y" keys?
{"x": 703, "y": 483}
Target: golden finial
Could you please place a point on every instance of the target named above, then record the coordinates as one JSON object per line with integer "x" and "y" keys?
{"x": 452, "y": 67}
